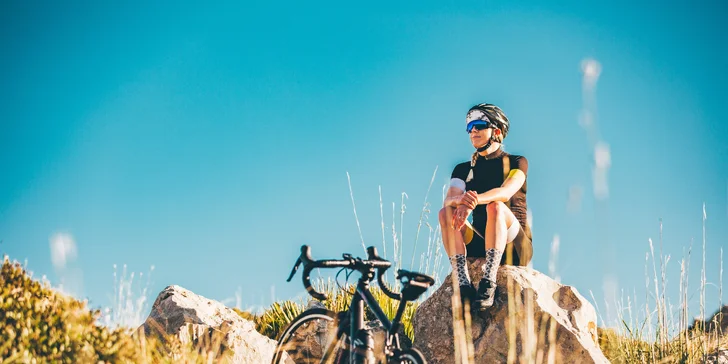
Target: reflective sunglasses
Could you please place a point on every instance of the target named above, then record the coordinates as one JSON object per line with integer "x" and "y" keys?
{"x": 478, "y": 125}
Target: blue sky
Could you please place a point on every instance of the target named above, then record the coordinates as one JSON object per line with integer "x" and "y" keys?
{"x": 211, "y": 141}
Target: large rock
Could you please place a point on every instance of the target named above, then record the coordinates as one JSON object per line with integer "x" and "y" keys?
{"x": 201, "y": 321}
{"x": 550, "y": 322}
{"x": 717, "y": 323}
{"x": 720, "y": 356}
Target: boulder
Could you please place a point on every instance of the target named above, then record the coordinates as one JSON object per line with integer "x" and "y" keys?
{"x": 550, "y": 322}
{"x": 203, "y": 322}
{"x": 720, "y": 356}
{"x": 717, "y": 323}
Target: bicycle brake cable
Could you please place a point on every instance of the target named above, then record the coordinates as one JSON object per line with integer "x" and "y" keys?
{"x": 348, "y": 274}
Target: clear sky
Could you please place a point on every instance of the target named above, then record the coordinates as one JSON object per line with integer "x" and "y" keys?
{"x": 211, "y": 141}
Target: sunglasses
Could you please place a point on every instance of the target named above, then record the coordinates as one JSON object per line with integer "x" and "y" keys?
{"x": 478, "y": 125}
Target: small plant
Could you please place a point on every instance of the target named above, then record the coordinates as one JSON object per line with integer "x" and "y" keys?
{"x": 271, "y": 322}
{"x": 245, "y": 314}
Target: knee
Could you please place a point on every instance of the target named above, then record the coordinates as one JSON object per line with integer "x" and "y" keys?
{"x": 495, "y": 208}
{"x": 443, "y": 215}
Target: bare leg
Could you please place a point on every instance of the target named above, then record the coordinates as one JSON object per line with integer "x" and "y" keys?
{"x": 500, "y": 217}
{"x": 452, "y": 239}
{"x": 455, "y": 248}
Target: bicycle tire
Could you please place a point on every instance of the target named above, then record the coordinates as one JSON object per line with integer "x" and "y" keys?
{"x": 410, "y": 356}
{"x": 300, "y": 342}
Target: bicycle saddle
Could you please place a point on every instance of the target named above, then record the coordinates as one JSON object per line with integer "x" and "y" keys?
{"x": 414, "y": 284}
{"x": 406, "y": 276}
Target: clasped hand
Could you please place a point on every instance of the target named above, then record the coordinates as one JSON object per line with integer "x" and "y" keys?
{"x": 466, "y": 203}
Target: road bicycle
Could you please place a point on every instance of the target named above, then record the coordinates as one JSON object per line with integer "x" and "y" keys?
{"x": 319, "y": 335}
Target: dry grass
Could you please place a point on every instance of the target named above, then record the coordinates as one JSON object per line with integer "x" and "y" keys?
{"x": 664, "y": 334}
{"x": 38, "y": 324}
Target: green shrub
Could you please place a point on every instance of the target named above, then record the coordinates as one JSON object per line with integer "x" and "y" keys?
{"x": 275, "y": 319}
{"x": 40, "y": 323}
{"x": 245, "y": 314}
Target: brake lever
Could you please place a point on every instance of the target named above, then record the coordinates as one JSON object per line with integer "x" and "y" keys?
{"x": 295, "y": 269}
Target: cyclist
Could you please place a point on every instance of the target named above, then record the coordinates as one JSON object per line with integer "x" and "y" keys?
{"x": 491, "y": 187}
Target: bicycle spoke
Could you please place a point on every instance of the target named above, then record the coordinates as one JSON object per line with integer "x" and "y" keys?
{"x": 310, "y": 338}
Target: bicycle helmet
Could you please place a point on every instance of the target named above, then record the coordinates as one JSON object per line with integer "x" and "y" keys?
{"x": 493, "y": 115}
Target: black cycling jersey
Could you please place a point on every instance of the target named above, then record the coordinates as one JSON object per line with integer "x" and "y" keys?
{"x": 488, "y": 173}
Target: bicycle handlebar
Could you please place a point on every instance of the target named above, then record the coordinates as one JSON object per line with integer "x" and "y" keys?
{"x": 372, "y": 252}
{"x": 363, "y": 266}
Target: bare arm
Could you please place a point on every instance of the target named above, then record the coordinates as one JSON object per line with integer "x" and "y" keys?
{"x": 504, "y": 193}
{"x": 453, "y": 197}
{"x": 463, "y": 202}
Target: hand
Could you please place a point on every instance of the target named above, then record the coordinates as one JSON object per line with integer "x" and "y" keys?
{"x": 469, "y": 199}
{"x": 459, "y": 216}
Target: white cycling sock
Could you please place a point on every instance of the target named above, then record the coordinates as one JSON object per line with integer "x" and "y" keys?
{"x": 460, "y": 265}
{"x": 492, "y": 261}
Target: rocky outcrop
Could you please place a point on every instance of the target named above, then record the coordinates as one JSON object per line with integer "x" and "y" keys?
{"x": 717, "y": 323}
{"x": 720, "y": 356}
{"x": 533, "y": 319}
{"x": 204, "y": 322}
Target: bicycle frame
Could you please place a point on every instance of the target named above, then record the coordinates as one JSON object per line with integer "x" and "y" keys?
{"x": 361, "y": 341}
{"x": 356, "y": 311}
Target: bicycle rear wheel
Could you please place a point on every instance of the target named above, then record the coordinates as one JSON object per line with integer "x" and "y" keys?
{"x": 313, "y": 337}
{"x": 410, "y": 356}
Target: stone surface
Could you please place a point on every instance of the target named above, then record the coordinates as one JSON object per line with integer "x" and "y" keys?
{"x": 718, "y": 357}
{"x": 201, "y": 321}
{"x": 717, "y": 323}
{"x": 550, "y": 321}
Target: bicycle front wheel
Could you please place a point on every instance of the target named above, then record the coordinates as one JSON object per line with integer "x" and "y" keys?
{"x": 313, "y": 337}
{"x": 410, "y": 356}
